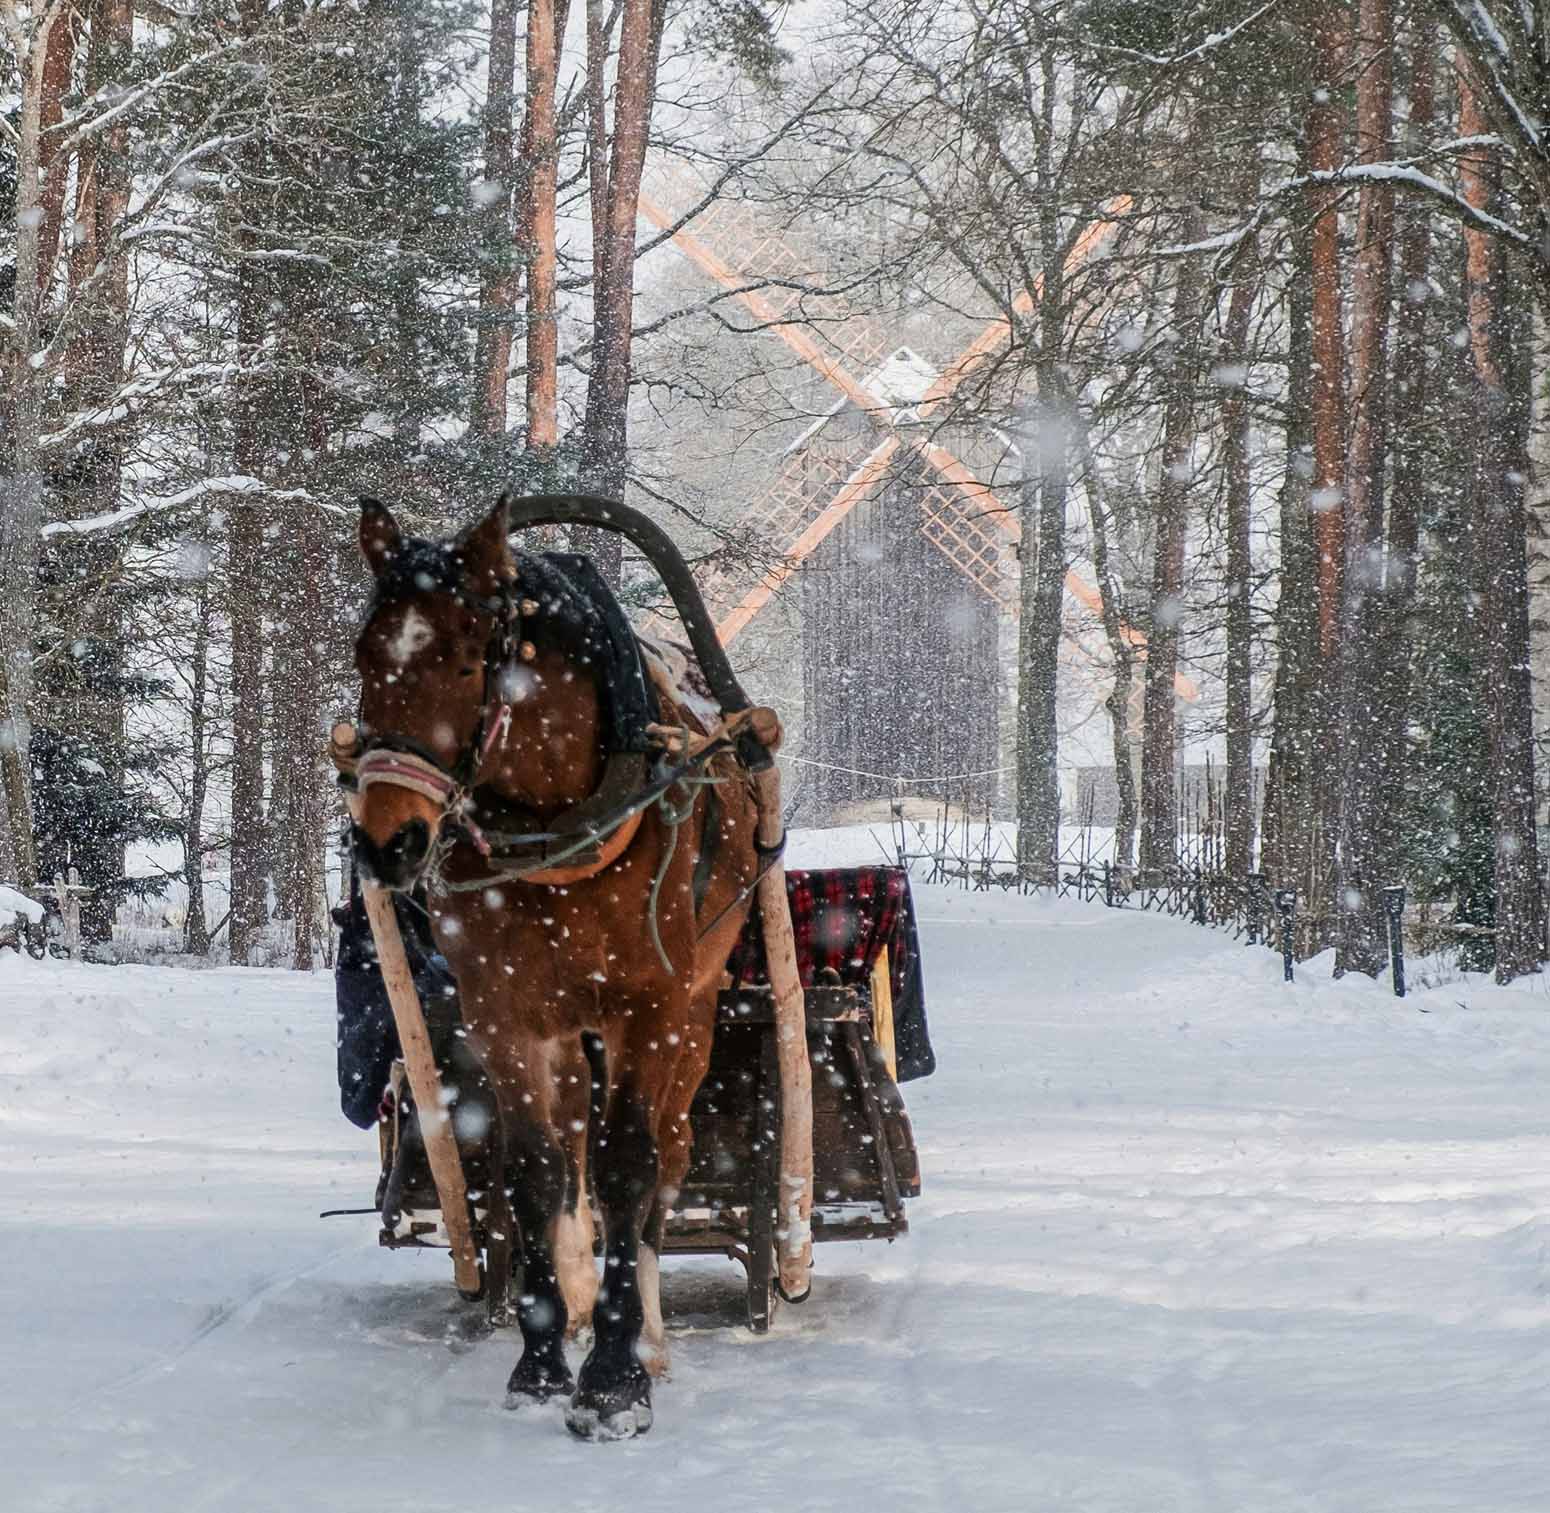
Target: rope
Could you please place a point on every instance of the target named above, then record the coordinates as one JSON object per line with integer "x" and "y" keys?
{"x": 894, "y": 777}
{"x": 671, "y": 817}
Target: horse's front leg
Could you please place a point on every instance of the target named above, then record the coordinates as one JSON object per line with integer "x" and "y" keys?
{"x": 613, "y": 1396}
{"x": 536, "y": 1178}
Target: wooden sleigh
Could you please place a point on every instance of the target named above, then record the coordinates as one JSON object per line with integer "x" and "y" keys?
{"x": 864, "y": 1160}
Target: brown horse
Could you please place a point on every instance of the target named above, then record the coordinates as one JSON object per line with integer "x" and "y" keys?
{"x": 486, "y": 726}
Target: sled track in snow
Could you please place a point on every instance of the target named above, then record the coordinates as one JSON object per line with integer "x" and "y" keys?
{"x": 223, "y": 1314}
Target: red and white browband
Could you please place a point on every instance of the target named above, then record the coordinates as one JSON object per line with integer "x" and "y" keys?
{"x": 403, "y": 769}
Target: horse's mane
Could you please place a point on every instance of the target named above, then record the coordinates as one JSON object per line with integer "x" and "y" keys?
{"x": 579, "y": 615}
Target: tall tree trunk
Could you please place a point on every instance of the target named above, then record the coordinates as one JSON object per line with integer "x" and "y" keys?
{"x": 302, "y": 592}
{"x": 1412, "y": 358}
{"x": 1498, "y": 330}
{"x": 605, "y": 434}
{"x": 246, "y": 572}
{"x": 99, "y": 279}
{"x": 1364, "y": 787}
{"x": 53, "y": 163}
{"x": 1328, "y": 389}
{"x": 1121, "y": 650}
{"x": 1041, "y": 580}
{"x": 1328, "y": 413}
{"x": 21, "y": 478}
{"x": 1238, "y": 790}
{"x": 1289, "y": 824}
{"x": 1042, "y": 595}
{"x": 196, "y": 929}
{"x": 409, "y": 320}
{"x": 1159, "y": 736}
{"x": 542, "y": 329}
{"x": 499, "y": 280}
{"x": 299, "y": 736}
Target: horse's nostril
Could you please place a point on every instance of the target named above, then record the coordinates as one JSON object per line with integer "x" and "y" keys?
{"x": 412, "y": 843}
{"x": 396, "y": 863}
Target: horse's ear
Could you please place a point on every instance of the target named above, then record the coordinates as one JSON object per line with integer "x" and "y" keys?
{"x": 380, "y": 536}
{"x": 486, "y": 555}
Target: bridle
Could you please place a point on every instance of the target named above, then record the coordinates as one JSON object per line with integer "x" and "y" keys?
{"x": 402, "y": 762}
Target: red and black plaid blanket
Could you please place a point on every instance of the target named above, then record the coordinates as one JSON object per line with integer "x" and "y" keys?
{"x": 843, "y": 918}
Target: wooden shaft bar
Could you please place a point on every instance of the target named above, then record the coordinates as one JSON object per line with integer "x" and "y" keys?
{"x": 794, "y": 1222}
{"x": 882, "y": 1013}
{"x": 425, "y": 1083}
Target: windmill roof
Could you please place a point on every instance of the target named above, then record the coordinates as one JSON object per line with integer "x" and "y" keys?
{"x": 901, "y": 380}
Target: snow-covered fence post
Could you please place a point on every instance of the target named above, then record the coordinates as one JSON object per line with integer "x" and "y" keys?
{"x": 1200, "y": 896}
{"x": 69, "y": 895}
{"x": 1286, "y": 904}
{"x": 1108, "y": 885}
{"x": 1394, "y": 906}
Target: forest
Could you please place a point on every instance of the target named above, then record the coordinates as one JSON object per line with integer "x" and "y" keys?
{"x": 1203, "y": 342}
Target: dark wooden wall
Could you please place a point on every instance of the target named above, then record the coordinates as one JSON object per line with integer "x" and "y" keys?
{"x": 900, "y": 672}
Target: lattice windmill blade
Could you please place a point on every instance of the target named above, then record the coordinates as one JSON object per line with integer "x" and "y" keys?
{"x": 802, "y": 493}
{"x": 1092, "y": 240}
{"x": 979, "y": 534}
{"x": 732, "y": 244}
{"x": 854, "y": 487}
{"x": 772, "y": 274}
{"x": 970, "y": 514}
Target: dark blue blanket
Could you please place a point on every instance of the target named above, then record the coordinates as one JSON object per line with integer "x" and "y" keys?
{"x": 367, "y": 1037}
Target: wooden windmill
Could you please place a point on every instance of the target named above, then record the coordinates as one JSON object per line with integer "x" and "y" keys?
{"x": 901, "y": 610}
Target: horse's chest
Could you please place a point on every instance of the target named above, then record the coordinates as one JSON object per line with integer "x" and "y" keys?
{"x": 555, "y": 954}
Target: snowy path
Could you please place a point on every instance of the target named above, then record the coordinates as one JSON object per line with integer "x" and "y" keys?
{"x": 1190, "y": 1241}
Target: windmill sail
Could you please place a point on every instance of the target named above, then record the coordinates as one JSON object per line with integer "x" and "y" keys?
{"x": 960, "y": 513}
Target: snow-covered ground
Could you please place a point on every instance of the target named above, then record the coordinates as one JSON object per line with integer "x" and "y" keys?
{"x": 1190, "y": 1240}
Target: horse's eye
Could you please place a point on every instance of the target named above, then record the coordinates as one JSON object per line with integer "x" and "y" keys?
{"x": 465, "y": 672}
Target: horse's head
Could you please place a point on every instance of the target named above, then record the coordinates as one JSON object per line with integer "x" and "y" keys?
{"x": 428, "y": 654}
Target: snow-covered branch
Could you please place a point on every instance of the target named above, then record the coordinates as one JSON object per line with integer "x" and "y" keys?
{"x": 132, "y": 396}
{"x": 92, "y": 118}
{"x": 1405, "y": 174}
{"x": 255, "y": 488}
{"x": 1499, "y": 67}
{"x": 1189, "y": 55}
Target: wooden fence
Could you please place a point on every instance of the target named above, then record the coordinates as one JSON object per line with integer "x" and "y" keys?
{"x": 981, "y": 856}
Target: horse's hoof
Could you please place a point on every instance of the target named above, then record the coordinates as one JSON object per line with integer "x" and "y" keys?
{"x": 539, "y": 1382}
{"x": 601, "y": 1420}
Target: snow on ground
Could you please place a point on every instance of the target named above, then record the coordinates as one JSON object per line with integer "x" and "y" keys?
{"x": 1190, "y": 1240}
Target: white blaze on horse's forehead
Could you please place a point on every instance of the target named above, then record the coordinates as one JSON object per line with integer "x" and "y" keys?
{"x": 413, "y": 634}
{"x": 518, "y": 683}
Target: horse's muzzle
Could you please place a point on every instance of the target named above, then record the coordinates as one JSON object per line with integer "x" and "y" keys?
{"x": 398, "y": 862}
